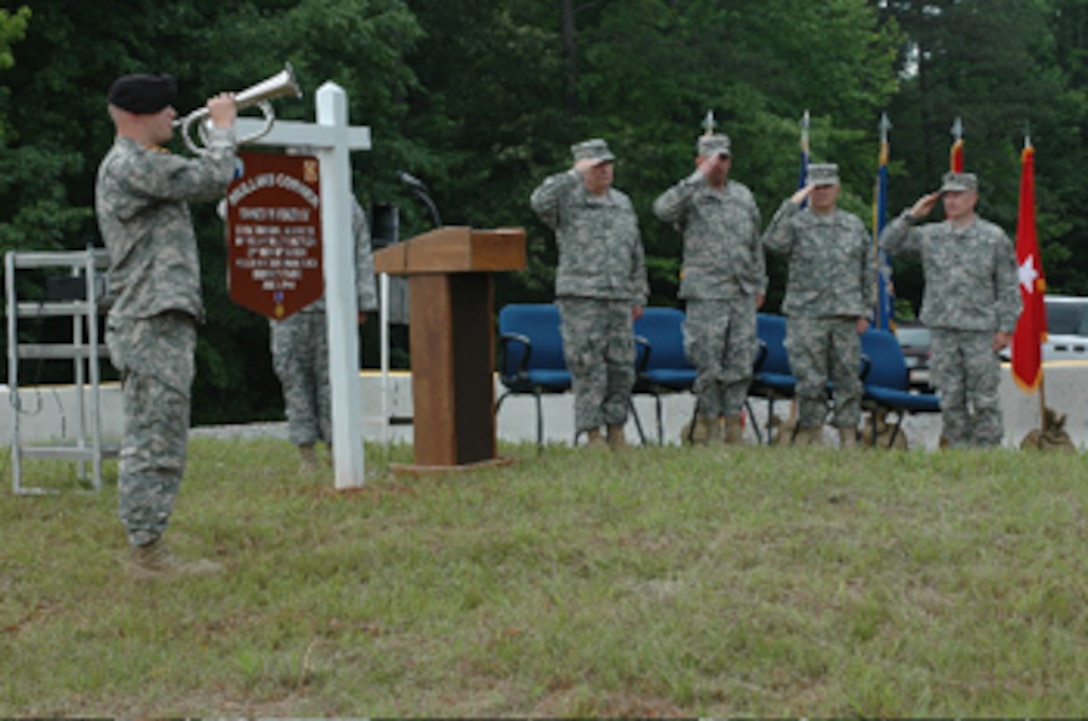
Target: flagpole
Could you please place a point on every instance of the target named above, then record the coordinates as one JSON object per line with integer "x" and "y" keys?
{"x": 1042, "y": 366}
{"x": 884, "y": 309}
{"x": 1030, "y": 332}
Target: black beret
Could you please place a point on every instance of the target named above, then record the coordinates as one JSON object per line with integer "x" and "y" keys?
{"x": 143, "y": 94}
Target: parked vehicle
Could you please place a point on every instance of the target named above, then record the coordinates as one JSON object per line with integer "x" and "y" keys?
{"x": 1067, "y": 329}
{"x": 917, "y": 344}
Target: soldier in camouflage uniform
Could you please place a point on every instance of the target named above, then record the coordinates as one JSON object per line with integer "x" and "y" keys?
{"x": 829, "y": 299}
{"x": 600, "y": 286}
{"x": 141, "y": 202}
{"x": 723, "y": 282}
{"x": 300, "y": 352}
{"x": 971, "y": 304}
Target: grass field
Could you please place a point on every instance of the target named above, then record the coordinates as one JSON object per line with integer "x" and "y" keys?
{"x": 657, "y": 582}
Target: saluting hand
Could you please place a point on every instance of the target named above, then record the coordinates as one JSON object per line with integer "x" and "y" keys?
{"x": 709, "y": 165}
{"x": 802, "y": 195}
{"x": 585, "y": 164}
{"x": 924, "y": 205}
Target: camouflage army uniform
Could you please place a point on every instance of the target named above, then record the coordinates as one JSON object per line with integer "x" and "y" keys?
{"x": 723, "y": 271}
{"x": 830, "y": 286}
{"x": 300, "y": 348}
{"x": 600, "y": 278}
{"x": 141, "y": 204}
{"x": 971, "y": 293}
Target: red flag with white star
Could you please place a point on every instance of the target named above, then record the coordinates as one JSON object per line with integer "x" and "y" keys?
{"x": 1027, "y": 363}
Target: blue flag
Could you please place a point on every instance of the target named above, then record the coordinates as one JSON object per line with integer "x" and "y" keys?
{"x": 884, "y": 315}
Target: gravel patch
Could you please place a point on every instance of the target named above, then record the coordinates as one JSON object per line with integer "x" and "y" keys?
{"x": 242, "y": 431}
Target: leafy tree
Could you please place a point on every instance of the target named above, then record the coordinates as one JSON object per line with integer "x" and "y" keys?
{"x": 58, "y": 129}
{"x": 993, "y": 64}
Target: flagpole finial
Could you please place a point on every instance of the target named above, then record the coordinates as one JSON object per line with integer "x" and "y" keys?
{"x": 709, "y": 123}
{"x": 957, "y": 128}
{"x": 804, "y": 130}
{"x": 1027, "y": 134}
{"x": 884, "y": 126}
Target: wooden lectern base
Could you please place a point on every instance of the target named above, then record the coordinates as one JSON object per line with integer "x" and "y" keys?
{"x": 452, "y": 340}
{"x": 413, "y": 469}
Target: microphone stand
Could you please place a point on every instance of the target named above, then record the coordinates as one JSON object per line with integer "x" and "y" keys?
{"x": 419, "y": 188}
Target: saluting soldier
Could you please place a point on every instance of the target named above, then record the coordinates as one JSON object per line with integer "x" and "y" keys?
{"x": 141, "y": 202}
{"x": 723, "y": 283}
{"x": 600, "y": 286}
{"x": 829, "y": 299}
{"x": 971, "y": 304}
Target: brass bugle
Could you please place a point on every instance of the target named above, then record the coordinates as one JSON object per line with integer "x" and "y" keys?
{"x": 280, "y": 84}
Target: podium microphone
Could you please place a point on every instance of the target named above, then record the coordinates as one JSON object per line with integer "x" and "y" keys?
{"x": 411, "y": 180}
{"x": 420, "y": 189}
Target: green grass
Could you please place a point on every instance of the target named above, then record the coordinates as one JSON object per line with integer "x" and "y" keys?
{"x": 659, "y": 582}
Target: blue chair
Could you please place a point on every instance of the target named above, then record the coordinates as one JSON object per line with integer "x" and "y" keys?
{"x": 531, "y": 358}
{"x": 662, "y": 365}
{"x": 773, "y": 378}
{"x": 886, "y": 381}
{"x": 531, "y": 355}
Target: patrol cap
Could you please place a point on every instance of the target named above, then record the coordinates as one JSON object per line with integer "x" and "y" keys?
{"x": 823, "y": 174}
{"x": 709, "y": 145}
{"x": 595, "y": 149}
{"x": 959, "y": 181}
{"x": 143, "y": 94}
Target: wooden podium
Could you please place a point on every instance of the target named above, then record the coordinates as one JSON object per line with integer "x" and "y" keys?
{"x": 451, "y": 298}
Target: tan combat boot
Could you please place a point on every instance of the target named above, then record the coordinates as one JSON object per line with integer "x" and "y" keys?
{"x": 702, "y": 430}
{"x": 154, "y": 562}
{"x": 808, "y": 436}
{"x": 617, "y": 440}
{"x": 307, "y": 457}
{"x": 594, "y": 439}
{"x": 848, "y": 438}
{"x": 715, "y": 428}
{"x": 734, "y": 432}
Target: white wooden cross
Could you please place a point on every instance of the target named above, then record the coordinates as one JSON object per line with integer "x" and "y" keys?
{"x": 333, "y": 138}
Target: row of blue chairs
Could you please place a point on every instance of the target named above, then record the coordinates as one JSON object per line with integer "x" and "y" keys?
{"x": 531, "y": 362}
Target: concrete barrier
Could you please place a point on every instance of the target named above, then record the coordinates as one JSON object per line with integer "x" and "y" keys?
{"x": 50, "y": 413}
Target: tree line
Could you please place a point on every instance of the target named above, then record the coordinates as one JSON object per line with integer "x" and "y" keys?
{"x": 482, "y": 99}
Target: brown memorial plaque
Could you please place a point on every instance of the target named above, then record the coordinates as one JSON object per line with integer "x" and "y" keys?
{"x": 274, "y": 234}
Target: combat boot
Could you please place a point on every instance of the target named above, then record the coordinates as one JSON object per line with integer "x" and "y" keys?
{"x": 701, "y": 430}
{"x": 154, "y": 562}
{"x": 617, "y": 440}
{"x": 594, "y": 439}
{"x": 307, "y": 457}
{"x": 734, "y": 432}
{"x": 848, "y": 438}
{"x": 808, "y": 436}
{"x": 715, "y": 430}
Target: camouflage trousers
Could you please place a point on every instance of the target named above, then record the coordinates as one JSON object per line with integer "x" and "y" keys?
{"x": 966, "y": 373}
{"x": 156, "y": 359}
{"x": 822, "y": 350}
{"x": 720, "y": 341}
{"x": 300, "y": 357}
{"x": 599, "y": 348}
